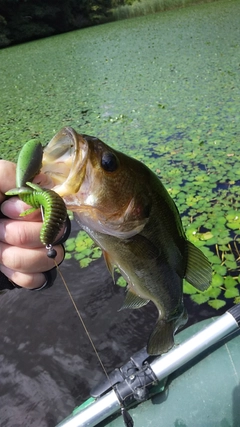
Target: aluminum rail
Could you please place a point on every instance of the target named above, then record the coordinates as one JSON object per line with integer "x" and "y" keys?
{"x": 162, "y": 366}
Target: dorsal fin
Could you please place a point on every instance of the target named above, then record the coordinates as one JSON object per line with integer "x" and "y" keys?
{"x": 199, "y": 270}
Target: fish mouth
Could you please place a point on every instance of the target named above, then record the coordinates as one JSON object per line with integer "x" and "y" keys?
{"x": 64, "y": 158}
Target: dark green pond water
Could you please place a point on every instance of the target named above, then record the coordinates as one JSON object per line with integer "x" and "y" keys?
{"x": 164, "y": 89}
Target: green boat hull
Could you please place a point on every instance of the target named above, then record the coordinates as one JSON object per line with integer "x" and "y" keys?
{"x": 198, "y": 383}
{"x": 203, "y": 393}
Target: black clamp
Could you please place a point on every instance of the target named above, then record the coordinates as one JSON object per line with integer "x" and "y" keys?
{"x": 131, "y": 382}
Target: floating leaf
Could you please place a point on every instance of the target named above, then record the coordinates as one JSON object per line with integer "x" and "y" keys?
{"x": 217, "y": 280}
{"x": 212, "y": 241}
{"x": 231, "y": 293}
{"x": 229, "y": 257}
{"x": 223, "y": 248}
{"x": 70, "y": 247}
{"x": 86, "y": 252}
{"x": 214, "y": 259}
{"x": 233, "y": 225}
{"x": 79, "y": 256}
{"x": 217, "y": 303}
{"x": 233, "y": 216}
{"x": 220, "y": 269}
{"x": 200, "y": 298}
{"x": 85, "y": 262}
{"x": 121, "y": 282}
{"x": 221, "y": 220}
{"x": 213, "y": 292}
{"x": 231, "y": 265}
{"x": 229, "y": 282}
{"x": 188, "y": 288}
{"x": 224, "y": 240}
{"x": 206, "y": 236}
{"x": 96, "y": 253}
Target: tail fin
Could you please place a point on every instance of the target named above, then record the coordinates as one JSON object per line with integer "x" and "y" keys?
{"x": 161, "y": 340}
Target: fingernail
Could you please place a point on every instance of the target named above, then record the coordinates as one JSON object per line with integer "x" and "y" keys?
{"x": 13, "y": 207}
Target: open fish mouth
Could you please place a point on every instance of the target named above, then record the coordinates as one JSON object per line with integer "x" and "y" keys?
{"x": 64, "y": 158}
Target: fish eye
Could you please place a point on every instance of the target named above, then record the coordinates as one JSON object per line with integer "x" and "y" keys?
{"x": 109, "y": 162}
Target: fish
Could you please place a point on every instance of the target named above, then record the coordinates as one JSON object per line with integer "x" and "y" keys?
{"x": 129, "y": 214}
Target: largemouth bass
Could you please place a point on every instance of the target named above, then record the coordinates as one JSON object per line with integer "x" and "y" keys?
{"x": 127, "y": 211}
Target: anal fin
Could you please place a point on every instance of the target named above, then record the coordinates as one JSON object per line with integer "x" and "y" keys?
{"x": 133, "y": 301}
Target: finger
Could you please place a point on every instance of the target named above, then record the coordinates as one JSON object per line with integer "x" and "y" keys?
{"x": 14, "y": 207}
{"x": 28, "y": 281}
{"x": 7, "y": 169}
{"x": 29, "y": 261}
{"x": 23, "y": 234}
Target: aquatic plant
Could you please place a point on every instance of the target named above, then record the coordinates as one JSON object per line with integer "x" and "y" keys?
{"x": 219, "y": 244}
{"x": 164, "y": 89}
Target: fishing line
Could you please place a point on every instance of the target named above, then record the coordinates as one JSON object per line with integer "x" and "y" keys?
{"x": 128, "y": 421}
{"x": 82, "y": 321}
{"x": 52, "y": 254}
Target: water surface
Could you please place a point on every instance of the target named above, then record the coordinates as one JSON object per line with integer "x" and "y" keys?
{"x": 164, "y": 88}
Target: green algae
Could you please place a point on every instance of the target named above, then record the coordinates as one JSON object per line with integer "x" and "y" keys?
{"x": 163, "y": 88}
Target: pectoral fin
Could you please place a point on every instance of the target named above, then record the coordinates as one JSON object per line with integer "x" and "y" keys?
{"x": 132, "y": 300}
{"x": 109, "y": 263}
{"x": 198, "y": 271}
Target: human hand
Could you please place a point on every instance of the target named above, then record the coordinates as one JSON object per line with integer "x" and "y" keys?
{"x": 23, "y": 258}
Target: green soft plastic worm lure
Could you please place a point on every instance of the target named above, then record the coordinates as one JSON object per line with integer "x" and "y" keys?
{"x": 53, "y": 208}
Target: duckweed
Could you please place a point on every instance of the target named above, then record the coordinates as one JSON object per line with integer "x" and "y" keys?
{"x": 163, "y": 88}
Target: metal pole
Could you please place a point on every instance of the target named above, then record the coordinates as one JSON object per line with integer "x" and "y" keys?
{"x": 183, "y": 353}
{"x": 162, "y": 366}
{"x": 97, "y": 411}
